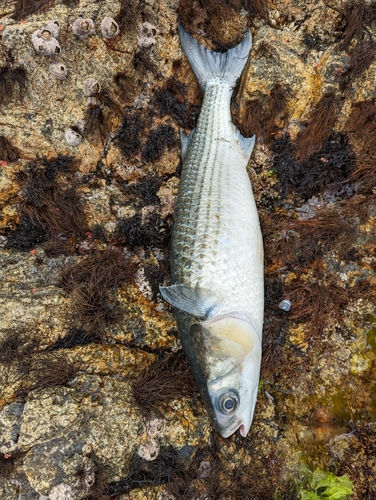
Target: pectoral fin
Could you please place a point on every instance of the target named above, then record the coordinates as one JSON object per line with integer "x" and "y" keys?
{"x": 195, "y": 301}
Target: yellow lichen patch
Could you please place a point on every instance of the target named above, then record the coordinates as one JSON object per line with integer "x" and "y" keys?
{"x": 359, "y": 364}
{"x": 111, "y": 359}
{"x": 8, "y": 198}
{"x": 157, "y": 322}
{"x": 298, "y": 337}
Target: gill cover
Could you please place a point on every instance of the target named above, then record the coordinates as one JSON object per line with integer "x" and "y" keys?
{"x": 225, "y": 355}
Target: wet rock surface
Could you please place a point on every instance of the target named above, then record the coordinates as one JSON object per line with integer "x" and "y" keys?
{"x": 96, "y": 399}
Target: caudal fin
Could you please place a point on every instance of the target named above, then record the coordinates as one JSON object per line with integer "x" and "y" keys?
{"x": 207, "y": 64}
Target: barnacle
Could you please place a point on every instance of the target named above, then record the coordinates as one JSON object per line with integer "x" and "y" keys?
{"x": 72, "y": 137}
{"x": 109, "y": 28}
{"x": 59, "y": 70}
{"x": 83, "y": 27}
{"x": 45, "y": 43}
{"x": 92, "y": 87}
{"x": 53, "y": 26}
{"x": 146, "y": 39}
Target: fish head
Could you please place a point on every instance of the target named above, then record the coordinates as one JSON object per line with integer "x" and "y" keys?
{"x": 227, "y": 368}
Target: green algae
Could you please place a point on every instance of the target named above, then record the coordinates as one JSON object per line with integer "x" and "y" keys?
{"x": 321, "y": 485}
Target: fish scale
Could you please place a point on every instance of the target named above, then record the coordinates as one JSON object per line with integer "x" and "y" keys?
{"x": 216, "y": 242}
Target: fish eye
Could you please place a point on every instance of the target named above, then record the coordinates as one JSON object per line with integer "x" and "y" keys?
{"x": 228, "y": 402}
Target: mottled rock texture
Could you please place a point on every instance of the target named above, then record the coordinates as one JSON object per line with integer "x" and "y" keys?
{"x": 89, "y": 354}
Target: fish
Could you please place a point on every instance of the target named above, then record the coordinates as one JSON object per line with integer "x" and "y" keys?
{"x": 217, "y": 248}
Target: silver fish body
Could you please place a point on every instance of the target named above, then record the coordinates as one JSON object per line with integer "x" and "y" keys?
{"x": 216, "y": 250}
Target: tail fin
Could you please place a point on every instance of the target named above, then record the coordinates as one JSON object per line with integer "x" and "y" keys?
{"x": 207, "y": 64}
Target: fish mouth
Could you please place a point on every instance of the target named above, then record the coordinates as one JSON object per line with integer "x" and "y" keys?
{"x": 239, "y": 426}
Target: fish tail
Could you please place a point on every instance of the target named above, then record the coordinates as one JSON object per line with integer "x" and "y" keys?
{"x": 206, "y": 64}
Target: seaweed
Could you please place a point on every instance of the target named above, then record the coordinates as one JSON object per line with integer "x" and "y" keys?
{"x": 104, "y": 95}
{"x": 333, "y": 163}
{"x": 209, "y": 17}
{"x": 93, "y": 479}
{"x": 361, "y": 57}
{"x": 55, "y": 246}
{"x": 312, "y": 41}
{"x": 159, "y": 139}
{"x": 144, "y": 190}
{"x": 167, "y": 379}
{"x": 259, "y": 116}
{"x": 12, "y": 83}
{"x": 163, "y": 470}
{"x": 8, "y": 152}
{"x": 129, "y": 135}
{"x": 362, "y": 115}
{"x": 76, "y": 336}
{"x": 91, "y": 283}
{"x": 362, "y": 130}
{"x": 95, "y": 122}
{"x": 17, "y": 347}
{"x": 331, "y": 228}
{"x": 128, "y": 15}
{"x": 125, "y": 83}
{"x": 98, "y": 233}
{"x": 51, "y": 370}
{"x": 319, "y": 127}
{"x": 275, "y": 325}
{"x": 47, "y": 208}
{"x": 317, "y": 299}
{"x": 172, "y": 100}
{"x": 7, "y": 466}
{"x": 143, "y": 64}
{"x": 150, "y": 231}
{"x": 356, "y": 18}
{"x": 24, "y": 8}
{"x": 155, "y": 276}
{"x": 257, "y": 9}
